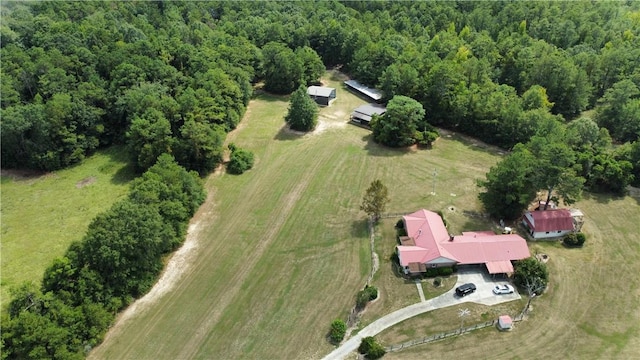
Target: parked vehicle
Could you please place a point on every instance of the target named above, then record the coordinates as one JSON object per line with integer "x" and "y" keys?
{"x": 503, "y": 289}
{"x": 465, "y": 289}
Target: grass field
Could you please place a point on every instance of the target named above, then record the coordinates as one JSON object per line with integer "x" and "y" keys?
{"x": 590, "y": 311}
{"x": 282, "y": 250}
{"x": 42, "y": 215}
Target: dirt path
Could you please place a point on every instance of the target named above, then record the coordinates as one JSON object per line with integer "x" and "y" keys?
{"x": 179, "y": 264}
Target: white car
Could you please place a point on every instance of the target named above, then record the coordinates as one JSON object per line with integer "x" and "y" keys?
{"x": 503, "y": 289}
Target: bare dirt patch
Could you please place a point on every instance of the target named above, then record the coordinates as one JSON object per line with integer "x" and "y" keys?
{"x": 326, "y": 125}
{"x": 86, "y": 182}
{"x": 177, "y": 266}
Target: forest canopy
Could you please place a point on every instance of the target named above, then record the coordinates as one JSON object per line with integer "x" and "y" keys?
{"x": 555, "y": 83}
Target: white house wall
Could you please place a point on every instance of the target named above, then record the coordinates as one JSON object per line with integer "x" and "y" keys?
{"x": 551, "y": 234}
{"x": 441, "y": 261}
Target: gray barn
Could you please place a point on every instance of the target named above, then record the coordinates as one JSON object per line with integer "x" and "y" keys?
{"x": 322, "y": 95}
{"x": 362, "y": 115}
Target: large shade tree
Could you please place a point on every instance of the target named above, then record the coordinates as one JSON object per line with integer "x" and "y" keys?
{"x": 398, "y": 126}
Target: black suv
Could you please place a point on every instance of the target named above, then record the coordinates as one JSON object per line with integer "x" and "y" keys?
{"x": 465, "y": 289}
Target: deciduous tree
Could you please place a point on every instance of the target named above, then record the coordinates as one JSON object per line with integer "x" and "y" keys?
{"x": 375, "y": 200}
{"x": 398, "y": 126}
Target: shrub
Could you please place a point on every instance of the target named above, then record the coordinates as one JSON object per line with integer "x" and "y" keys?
{"x": 364, "y": 296}
{"x": 441, "y": 271}
{"x": 400, "y": 224}
{"x": 574, "y": 240}
{"x": 437, "y": 282}
{"x": 241, "y": 161}
{"x": 371, "y": 348}
{"x": 338, "y": 330}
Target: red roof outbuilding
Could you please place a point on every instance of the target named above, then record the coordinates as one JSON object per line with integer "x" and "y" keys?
{"x": 551, "y": 220}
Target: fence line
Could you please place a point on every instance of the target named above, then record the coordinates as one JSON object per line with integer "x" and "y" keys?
{"x": 352, "y": 320}
{"x": 391, "y": 215}
{"x": 444, "y": 335}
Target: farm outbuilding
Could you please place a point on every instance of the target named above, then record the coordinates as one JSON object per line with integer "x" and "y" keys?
{"x": 322, "y": 95}
{"x": 543, "y": 224}
{"x": 363, "y": 114}
{"x": 373, "y": 94}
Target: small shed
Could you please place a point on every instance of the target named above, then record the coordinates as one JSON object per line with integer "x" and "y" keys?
{"x": 373, "y": 94}
{"x": 505, "y": 322}
{"x": 553, "y": 223}
{"x": 363, "y": 114}
{"x": 322, "y": 95}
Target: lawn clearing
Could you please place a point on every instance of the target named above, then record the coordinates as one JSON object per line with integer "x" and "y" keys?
{"x": 42, "y": 215}
{"x": 590, "y": 310}
{"x": 282, "y": 250}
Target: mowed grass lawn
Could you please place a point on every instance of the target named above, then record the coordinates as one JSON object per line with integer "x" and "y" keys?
{"x": 590, "y": 311}
{"x": 283, "y": 249}
{"x": 42, "y": 215}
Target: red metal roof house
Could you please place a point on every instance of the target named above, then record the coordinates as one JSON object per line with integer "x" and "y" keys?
{"x": 428, "y": 244}
{"x": 549, "y": 223}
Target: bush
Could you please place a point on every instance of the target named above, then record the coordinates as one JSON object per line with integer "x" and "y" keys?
{"x": 364, "y": 296}
{"x": 437, "y": 282}
{"x": 371, "y": 348}
{"x": 241, "y": 161}
{"x": 400, "y": 224}
{"x": 338, "y": 330}
{"x": 574, "y": 239}
{"x": 441, "y": 271}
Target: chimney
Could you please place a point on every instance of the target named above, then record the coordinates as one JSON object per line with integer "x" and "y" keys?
{"x": 450, "y": 237}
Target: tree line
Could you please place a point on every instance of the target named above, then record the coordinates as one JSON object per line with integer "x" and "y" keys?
{"x": 118, "y": 260}
{"x": 175, "y": 77}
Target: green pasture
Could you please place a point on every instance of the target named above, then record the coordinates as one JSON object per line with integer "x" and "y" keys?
{"x": 282, "y": 250}
{"x": 43, "y": 214}
{"x": 590, "y": 310}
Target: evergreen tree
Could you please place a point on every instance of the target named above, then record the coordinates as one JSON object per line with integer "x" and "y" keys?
{"x": 303, "y": 111}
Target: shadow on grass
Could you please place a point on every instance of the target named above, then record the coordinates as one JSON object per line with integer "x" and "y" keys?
{"x": 286, "y": 134}
{"x": 604, "y": 198}
{"x": 119, "y": 156}
{"x": 359, "y": 228}
{"x": 268, "y": 97}
{"x": 471, "y": 142}
{"x": 375, "y": 149}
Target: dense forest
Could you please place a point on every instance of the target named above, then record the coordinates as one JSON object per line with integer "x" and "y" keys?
{"x": 555, "y": 83}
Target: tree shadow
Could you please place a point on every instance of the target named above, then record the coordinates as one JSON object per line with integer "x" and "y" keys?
{"x": 124, "y": 175}
{"x": 359, "y": 228}
{"x": 471, "y": 142}
{"x": 119, "y": 154}
{"x": 286, "y": 134}
{"x": 375, "y": 149}
{"x": 268, "y": 97}
{"x": 604, "y": 198}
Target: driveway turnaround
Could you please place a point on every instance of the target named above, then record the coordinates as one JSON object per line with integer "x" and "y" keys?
{"x": 483, "y": 295}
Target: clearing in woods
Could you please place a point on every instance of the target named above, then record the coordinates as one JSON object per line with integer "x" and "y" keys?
{"x": 43, "y": 213}
{"x": 281, "y": 250}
